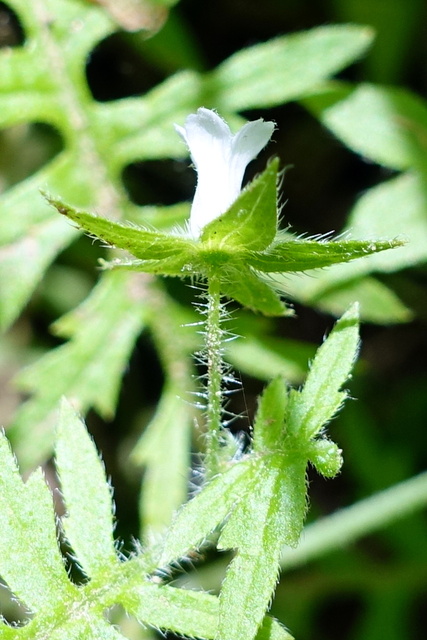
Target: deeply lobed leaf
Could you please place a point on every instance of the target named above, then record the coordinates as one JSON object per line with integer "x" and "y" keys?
{"x": 88, "y": 368}
{"x": 30, "y": 561}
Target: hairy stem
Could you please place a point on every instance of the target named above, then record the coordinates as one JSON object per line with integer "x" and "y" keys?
{"x": 213, "y": 345}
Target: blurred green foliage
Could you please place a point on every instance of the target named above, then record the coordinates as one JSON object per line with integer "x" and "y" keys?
{"x": 357, "y": 148}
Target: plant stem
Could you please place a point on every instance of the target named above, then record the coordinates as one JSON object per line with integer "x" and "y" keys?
{"x": 213, "y": 345}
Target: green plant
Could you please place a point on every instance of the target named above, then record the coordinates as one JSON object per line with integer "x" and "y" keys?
{"x": 254, "y": 498}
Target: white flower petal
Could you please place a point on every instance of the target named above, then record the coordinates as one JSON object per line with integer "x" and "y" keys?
{"x": 252, "y": 138}
{"x": 220, "y": 160}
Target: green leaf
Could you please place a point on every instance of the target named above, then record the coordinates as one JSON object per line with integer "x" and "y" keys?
{"x": 270, "y": 416}
{"x": 286, "y": 68}
{"x": 246, "y": 287}
{"x": 89, "y": 368}
{"x": 164, "y": 450}
{"x": 310, "y": 409}
{"x": 386, "y": 124}
{"x": 267, "y": 357}
{"x": 189, "y": 613}
{"x": 270, "y": 514}
{"x": 300, "y": 255}
{"x": 251, "y": 221}
{"x": 396, "y": 208}
{"x": 88, "y": 495}
{"x": 30, "y": 561}
{"x": 32, "y": 80}
{"x": 206, "y": 511}
{"x": 45, "y": 81}
{"x": 174, "y": 266}
{"x": 143, "y": 244}
{"x": 377, "y": 302}
{"x": 325, "y": 456}
{"x": 23, "y": 263}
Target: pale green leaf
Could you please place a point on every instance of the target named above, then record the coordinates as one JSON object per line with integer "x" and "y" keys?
{"x": 251, "y": 222}
{"x": 270, "y": 416}
{"x": 142, "y": 128}
{"x": 23, "y": 263}
{"x": 88, "y": 172}
{"x": 88, "y": 523}
{"x": 288, "y": 67}
{"x": 87, "y": 369}
{"x": 30, "y": 560}
{"x": 377, "y": 302}
{"x": 325, "y": 456}
{"x": 310, "y": 409}
{"x": 386, "y": 124}
{"x": 395, "y": 208}
{"x": 267, "y": 357}
{"x": 252, "y": 574}
{"x": 163, "y": 450}
{"x": 189, "y": 613}
{"x": 206, "y": 511}
{"x": 270, "y": 514}
{"x": 83, "y": 627}
{"x": 173, "y": 266}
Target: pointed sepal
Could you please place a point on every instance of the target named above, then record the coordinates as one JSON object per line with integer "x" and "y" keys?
{"x": 250, "y": 224}
{"x": 293, "y": 254}
{"x": 245, "y": 286}
{"x": 142, "y": 243}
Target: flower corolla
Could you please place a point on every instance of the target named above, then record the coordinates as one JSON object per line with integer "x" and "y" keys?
{"x": 220, "y": 159}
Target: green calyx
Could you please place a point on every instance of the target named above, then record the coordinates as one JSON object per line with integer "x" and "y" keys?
{"x": 238, "y": 247}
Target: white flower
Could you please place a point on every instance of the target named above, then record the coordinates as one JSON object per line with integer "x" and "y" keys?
{"x": 220, "y": 159}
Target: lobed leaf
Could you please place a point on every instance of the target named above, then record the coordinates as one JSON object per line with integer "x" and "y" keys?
{"x": 206, "y": 511}
{"x": 30, "y": 560}
{"x": 88, "y": 523}
{"x": 101, "y": 138}
{"x": 396, "y": 208}
{"x": 189, "y": 613}
{"x": 310, "y": 409}
{"x": 37, "y": 575}
{"x": 270, "y": 514}
{"x": 88, "y": 368}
